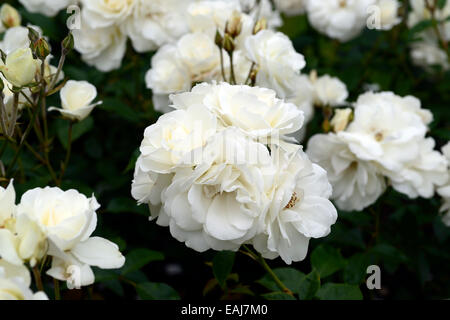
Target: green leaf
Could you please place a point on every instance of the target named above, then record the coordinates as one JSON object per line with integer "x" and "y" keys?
{"x": 121, "y": 109}
{"x": 222, "y": 265}
{"x": 156, "y": 291}
{"x": 277, "y": 296}
{"x": 419, "y": 27}
{"x": 290, "y": 277}
{"x": 355, "y": 272}
{"x": 309, "y": 286}
{"x": 327, "y": 260}
{"x": 138, "y": 258}
{"x": 339, "y": 291}
{"x": 79, "y": 129}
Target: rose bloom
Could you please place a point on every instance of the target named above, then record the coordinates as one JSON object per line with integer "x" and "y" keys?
{"x": 49, "y": 8}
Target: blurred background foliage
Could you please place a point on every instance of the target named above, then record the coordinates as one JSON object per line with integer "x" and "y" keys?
{"x": 406, "y": 238}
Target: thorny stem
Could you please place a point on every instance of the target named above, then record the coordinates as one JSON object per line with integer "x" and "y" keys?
{"x": 58, "y": 72}
{"x": 232, "y": 75}
{"x": 258, "y": 258}
{"x": 14, "y": 115}
{"x": 3, "y": 115}
{"x": 222, "y": 68}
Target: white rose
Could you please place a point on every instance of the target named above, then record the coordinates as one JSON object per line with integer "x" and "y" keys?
{"x": 157, "y": 22}
{"x": 66, "y": 218}
{"x": 421, "y": 176}
{"x": 7, "y": 204}
{"x": 199, "y": 54}
{"x": 383, "y": 130}
{"x": 173, "y": 135}
{"x": 76, "y": 98}
{"x": 20, "y": 67}
{"x": 356, "y": 183}
{"x": 255, "y": 110}
{"x": 168, "y": 73}
{"x": 49, "y": 8}
{"x": 278, "y": 62}
{"x": 105, "y": 13}
{"x": 216, "y": 204}
{"x": 103, "y": 48}
{"x": 339, "y": 19}
{"x": 329, "y": 91}
{"x": 299, "y": 210}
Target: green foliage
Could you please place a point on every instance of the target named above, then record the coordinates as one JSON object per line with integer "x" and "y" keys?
{"x": 222, "y": 265}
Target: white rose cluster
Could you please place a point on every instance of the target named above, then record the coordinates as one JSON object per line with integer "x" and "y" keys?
{"x": 57, "y": 224}
{"x": 385, "y": 144}
{"x": 427, "y": 52}
{"x": 220, "y": 171}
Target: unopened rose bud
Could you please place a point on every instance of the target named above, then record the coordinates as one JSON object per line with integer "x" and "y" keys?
{"x": 67, "y": 44}
{"x": 20, "y": 67}
{"x": 260, "y": 25}
{"x": 9, "y": 16}
{"x": 219, "y": 39}
{"x": 234, "y": 26}
{"x": 341, "y": 119}
{"x": 41, "y": 48}
{"x": 228, "y": 43}
{"x": 33, "y": 35}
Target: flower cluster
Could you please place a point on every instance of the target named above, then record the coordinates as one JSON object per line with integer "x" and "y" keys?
{"x": 52, "y": 224}
{"x": 220, "y": 171}
{"x": 384, "y": 143}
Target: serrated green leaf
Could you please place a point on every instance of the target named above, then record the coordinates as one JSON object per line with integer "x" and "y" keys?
{"x": 327, "y": 260}
{"x": 290, "y": 277}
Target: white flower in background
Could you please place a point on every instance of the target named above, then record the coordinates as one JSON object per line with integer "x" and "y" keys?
{"x": 386, "y": 129}
{"x": 199, "y": 54}
{"x": 299, "y": 209}
{"x": 105, "y": 13}
{"x": 15, "y": 283}
{"x": 217, "y": 203}
{"x": 48, "y": 8}
{"x": 209, "y": 16}
{"x": 356, "y": 183}
{"x": 76, "y": 99}
{"x": 167, "y": 75}
{"x": 103, "y": 48}
{"x": 339, "y": 19}
{"x": 421, "y": 176}
{"x": 328, "y": 91}
{"x": 427, "y": 51}
{"x": 74, "y": 266}
{"x": 9, "y": 16}
{"x": 389, "y": 16}
{"x": 277, "y": 61}
{"x": 291, "y": 7}
{"x": 157, "y": 22}
{"x": 444, "y": 191}
{"x": 20, "y": 67}
{"x": 66, "y": 218}
{"x": 256, "y": 111}
{"x": 174, "y": 134}
{"x": 341, "y": 119}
